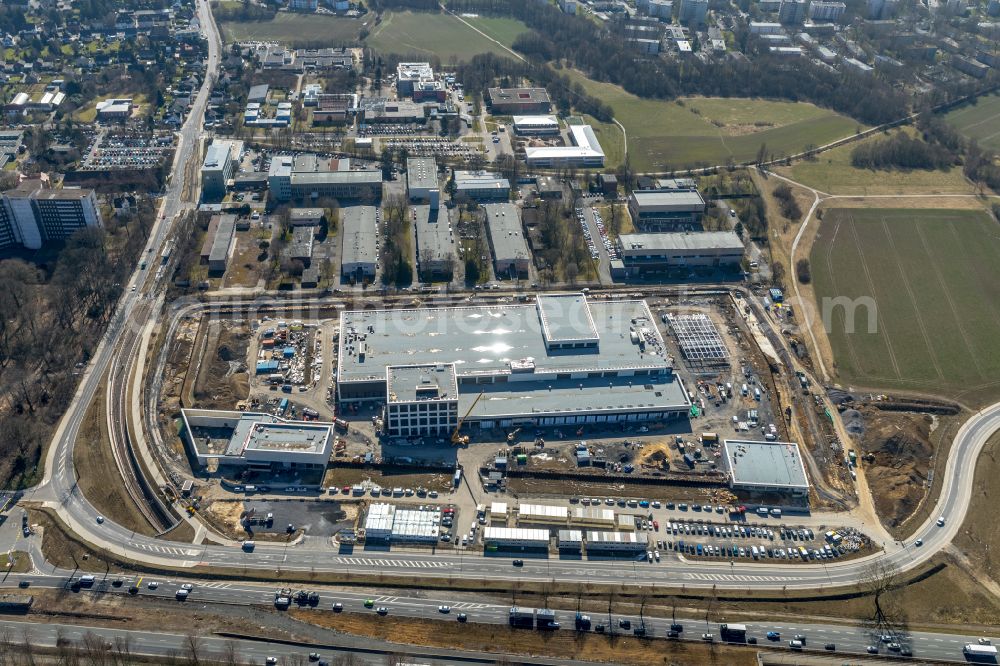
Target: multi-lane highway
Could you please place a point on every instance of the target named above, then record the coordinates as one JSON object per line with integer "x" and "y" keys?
{"x": 137, "y": 309}
{"x": 844, "y": 638}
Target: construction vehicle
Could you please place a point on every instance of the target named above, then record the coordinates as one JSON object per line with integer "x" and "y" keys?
{"x": 463, "y": 440}
{"x": 512, "y": 435}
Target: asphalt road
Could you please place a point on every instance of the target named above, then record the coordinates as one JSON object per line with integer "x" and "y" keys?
{"x": 846, "y": 638}
{"x": 60, "y": 489}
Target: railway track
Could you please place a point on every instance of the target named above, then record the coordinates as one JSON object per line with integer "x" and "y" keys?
{"x": 139, "y": 489}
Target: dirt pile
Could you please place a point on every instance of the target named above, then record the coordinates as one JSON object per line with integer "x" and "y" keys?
{"x": 896, "y": 451}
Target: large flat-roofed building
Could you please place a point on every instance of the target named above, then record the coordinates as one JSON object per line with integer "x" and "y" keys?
{"x": 409, "y": 74}
{"x": 481, "y": 186}
{"x": 562, "y": 360}
{"x": 518, "y": 101}
{"x": 516, "y": 537}
{"x": 217, "y": 168}
{"x": 346, "y": 185}
{"x": 435, "y": 243}
{"x": 256, "y": 440}
{"x": 33, "y": 213}
{"x": 536, "y": 125}
{"x": 653, "y": 253}
{"x": 359, "y": 256}
{"x": 666, "y": 209}
{"x": 766, "y": 466}
{"x": 511, "y": 257}
{"x": 586, "y": 151}
{"x": 421, "y": 399}
{"x": 421, "y": 178}
{"x": 222, "y": 244}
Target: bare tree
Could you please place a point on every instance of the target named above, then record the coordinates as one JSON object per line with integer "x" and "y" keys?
{"x": 193, "y": 644}
{"x": 880, "y": 579}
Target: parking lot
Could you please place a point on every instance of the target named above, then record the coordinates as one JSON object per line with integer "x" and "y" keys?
{"x": 418, "y": 146}
{"x": 131, "y": 152}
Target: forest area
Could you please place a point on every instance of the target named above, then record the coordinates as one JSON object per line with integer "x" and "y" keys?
{"x": 53, "y": 313}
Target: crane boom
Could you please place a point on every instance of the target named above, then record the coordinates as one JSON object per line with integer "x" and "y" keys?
{"x": 460, "y": 439}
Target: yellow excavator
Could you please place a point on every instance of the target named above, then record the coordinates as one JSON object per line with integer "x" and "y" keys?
{"x": 463, "y": 440}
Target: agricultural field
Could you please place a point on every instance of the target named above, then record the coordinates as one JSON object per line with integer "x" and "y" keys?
{"x": 979, "y": 121}
{"x": 934, "y": 280}
{"x": 832, "y": 172}
{"x": 294, "y": 28}
{"x": 707, "y": 131}
{"x": 426, "y": 34}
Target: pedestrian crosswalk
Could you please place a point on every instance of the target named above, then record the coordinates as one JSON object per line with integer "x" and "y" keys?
{"x": 167, "y": 550}
{"x": 741, "y": 578}
{"x": 216, "y": 586}
{"x": 396, "y": 564}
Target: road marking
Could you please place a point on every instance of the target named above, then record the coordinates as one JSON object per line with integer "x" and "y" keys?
{"x": 399, "y": 564}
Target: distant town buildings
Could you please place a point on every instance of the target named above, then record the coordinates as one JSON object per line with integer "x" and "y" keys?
{"x": 793, "y": 12}
{"x": 217, "y": 168}
{"x": 585, "y": 151}
{"x": 693, "y": 12}
{"x": 824, "y": 10}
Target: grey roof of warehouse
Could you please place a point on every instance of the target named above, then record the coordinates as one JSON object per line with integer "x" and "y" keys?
{"x": 359, "y": 229}
{"x": 488, "y": 339}
{"x": 506, "y": 95}
{"x": 506, "y": 235}
{"x": 477, "y": 180}
{"x": 421, "y": 173}
{"x": 566, "y": 318}
{"x": 669, "y": 199}
{"x": 223, "y": 237}
{"x": 435, "y": 240}
{"x": 299, "y": 214}
{"x": 698, "y": 240}
{"x": 766, "y": 464}
{"x": 361, "y": 177}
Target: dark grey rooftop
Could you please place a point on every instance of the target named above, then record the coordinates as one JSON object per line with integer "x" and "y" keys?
{"x": 408, "y": 383}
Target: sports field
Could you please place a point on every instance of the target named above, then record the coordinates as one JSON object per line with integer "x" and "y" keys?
{"x": 833, "y": 173}
{"x": 707, "y": 131}
{"x": 980, "y": 121}
{"x": 426, "y": 34}
{"x": 293, "y": 28}
{"x": 934, "y": 277}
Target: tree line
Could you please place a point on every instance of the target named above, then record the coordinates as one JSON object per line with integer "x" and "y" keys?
{"x": 901, "y": 151}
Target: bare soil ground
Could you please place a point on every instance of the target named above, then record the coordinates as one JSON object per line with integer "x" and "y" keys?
{"x": 340, "y": 477}
{"x": 223, "y": 378}
{"x": 97, "y": 472}
{"x": 896, "y": 449}
{"x": 504, "y": 640}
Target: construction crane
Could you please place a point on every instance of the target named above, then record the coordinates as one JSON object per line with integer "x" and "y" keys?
{"x": 463, "y": 440}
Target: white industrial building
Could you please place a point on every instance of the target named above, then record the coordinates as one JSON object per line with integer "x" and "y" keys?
{"x": 562, "y": 360}
{"x": 511, "y": 257}
{"x": 570, "y": 539}
{"x": 660, "y": 252}
{"x": 592, "y": 516}
{"x": 614, "y": 541}
{"x": 584, "y": 152}
{"x": 766, "y": 467}
{"x": 256, "y": 440}
{"x": 536, "y": 125}
{"x": 481, "y": 186}
{"x": 421, "y": 178}
{"x": 542, "y": 514}
{"x": 359, "y": 255}
{"x": 667, "y": 209}
{"x": 515, "y": 537}
{"x": 399, "y": 524}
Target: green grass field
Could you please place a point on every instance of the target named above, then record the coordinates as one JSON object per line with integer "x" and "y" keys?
{"x": 832, "y": 172}
{"x": 443, "y": 35}
{"x": 504, "y": 30}
{"x": 707, "y": 131}
{"x": 294, "y": 28}
{"x": 934, "y": 276}
{"x": 980, "y": 121}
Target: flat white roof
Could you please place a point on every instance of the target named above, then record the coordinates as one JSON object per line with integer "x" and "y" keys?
{"x": 585, "y": 146}
{"x": 766, "y": 464}
{"x": 521, "y": 534}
